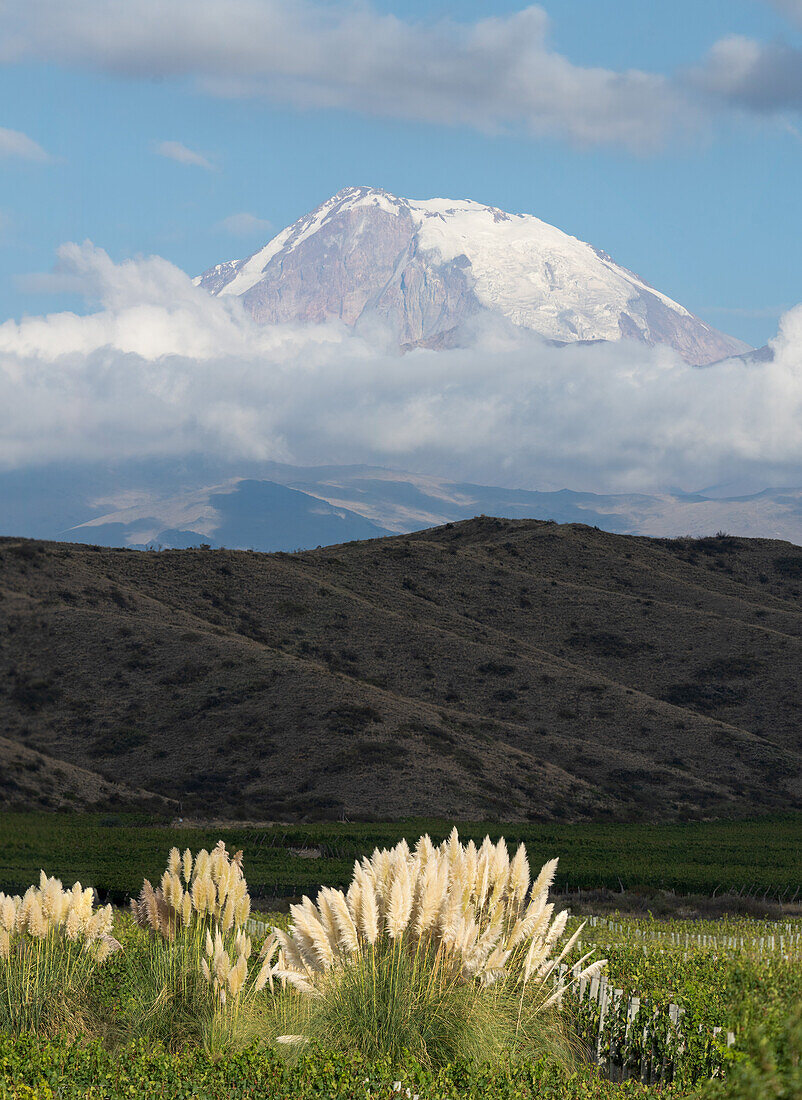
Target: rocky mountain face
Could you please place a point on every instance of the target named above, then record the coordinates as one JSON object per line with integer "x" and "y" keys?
{"x": 425, "y": 268}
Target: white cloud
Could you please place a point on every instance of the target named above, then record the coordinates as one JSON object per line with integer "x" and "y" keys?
{"x": 13, "y": 143}
{"x": 163, "y": 369}
{"x": 244, "y": 225}
{"x": 495, "y": 73}
{"x": 174, "y": 150}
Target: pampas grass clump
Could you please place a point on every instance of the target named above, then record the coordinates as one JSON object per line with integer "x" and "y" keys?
{"x": 51, "y": 940}
{"x": 441, "y": 951}
{"x": 197, "y": 975}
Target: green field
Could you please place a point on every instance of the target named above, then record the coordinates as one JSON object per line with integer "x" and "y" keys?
{"x": 761, "y": 857}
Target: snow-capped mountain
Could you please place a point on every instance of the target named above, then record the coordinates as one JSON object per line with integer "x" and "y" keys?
{"x": 426, "y": 267}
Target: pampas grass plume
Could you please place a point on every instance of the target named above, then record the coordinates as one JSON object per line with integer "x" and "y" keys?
{"x": 7, "y": 913}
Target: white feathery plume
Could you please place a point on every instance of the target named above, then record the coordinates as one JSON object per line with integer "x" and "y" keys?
{"x": 269, "y": 947}
{"x": 353, "y": 899}
{"x": 290, "y": 951}
{"x": 201, "y": 864}
{"x": 348, "y": 939}
{"x": 557, "y": 928}
{"x": 7, "y": 913}
{"x": 317, "y": 936}
{"x": 519, "y": 874}
{"x": 434, "y": 883}
{"x": 501, "y": 860}
{"x": 304, "y": 946}
{"x": 325, "y": 916}
{"x": 211, "y": 896}
{"x": 533, "y": 923}
{"x": 227, "y": 919}
{"x": 394, "y": 917}
{"x": 198, "y": 895}
{"x": 542, "y": 883}
{"x": 369, "y": 914}
{"x": 242, "y": 911}
{"x": 424, "y": 850}
{"x": 298, "y": 981}
{"x": 264, "y": 976}
{"x": 37, "y": 923}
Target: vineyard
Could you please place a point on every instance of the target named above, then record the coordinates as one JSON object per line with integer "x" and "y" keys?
{"x": 760, "y": 858}
{"x": 680, "y": 997}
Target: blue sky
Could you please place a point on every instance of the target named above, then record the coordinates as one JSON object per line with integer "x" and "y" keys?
{"x": 709, "y": 212}
{"x": 175, "y": 134}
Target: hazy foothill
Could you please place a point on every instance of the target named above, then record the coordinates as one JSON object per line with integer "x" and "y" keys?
{"x": 521, "y": 669}
{"x": 400, "y": 597}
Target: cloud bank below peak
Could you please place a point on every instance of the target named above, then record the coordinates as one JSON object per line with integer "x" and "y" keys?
{"x": 162, "y": 369}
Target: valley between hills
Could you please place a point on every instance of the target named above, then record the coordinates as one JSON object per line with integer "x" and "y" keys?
{"x": 519, "y": 670}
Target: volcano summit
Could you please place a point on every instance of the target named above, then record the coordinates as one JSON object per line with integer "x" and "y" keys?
{"x": 425, "y": 268}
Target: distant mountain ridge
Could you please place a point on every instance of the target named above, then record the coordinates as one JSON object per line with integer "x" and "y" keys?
{"x": 243, "y": 514}
{"x": 303, "y": 508}
{"x": 271, "y": 506}
{"x": 425, "y": 268}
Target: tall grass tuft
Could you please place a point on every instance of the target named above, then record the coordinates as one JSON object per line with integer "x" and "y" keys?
{"x": 51, "y": 940}
{"x": 196, "y": 978}
{"x": 442, "y": 951}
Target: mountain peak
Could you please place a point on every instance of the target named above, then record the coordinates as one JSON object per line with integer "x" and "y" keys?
{"x": 424, "y": 267}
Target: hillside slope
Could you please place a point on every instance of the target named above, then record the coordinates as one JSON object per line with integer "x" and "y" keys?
{"x": 514, "y": 668}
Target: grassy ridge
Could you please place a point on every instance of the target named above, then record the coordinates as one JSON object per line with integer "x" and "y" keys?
{"x": 114, "y": 853}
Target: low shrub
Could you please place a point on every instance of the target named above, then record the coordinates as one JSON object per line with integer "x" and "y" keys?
{"x": 51, "y": 941}
{"x": 196, "y": 978}
{"x": 437, "y": 952}
{"x": 58, "y": 1069}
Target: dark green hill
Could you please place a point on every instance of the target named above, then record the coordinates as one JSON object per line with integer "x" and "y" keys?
{"x": 520, "y": 669}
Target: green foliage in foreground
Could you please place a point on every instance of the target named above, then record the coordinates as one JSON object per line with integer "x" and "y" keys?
{"x": 771, "y": 1069}
{"x": 64, "y": 1071}
{"x": 737, "y": 988}
{"x": 114, "y": 853}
